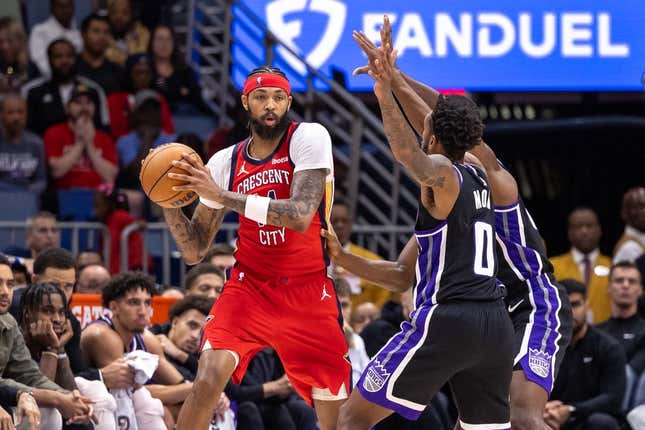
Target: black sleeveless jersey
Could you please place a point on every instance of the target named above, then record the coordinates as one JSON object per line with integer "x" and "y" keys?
{"x": 520, "y": 250}
{"x": 457, "y": 260}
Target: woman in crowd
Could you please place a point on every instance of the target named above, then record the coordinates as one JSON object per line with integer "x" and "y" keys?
{"x": 171, "y": 76}
{"x": 15, "y": 67}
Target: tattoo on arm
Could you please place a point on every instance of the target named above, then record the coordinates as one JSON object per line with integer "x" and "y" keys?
{"x": 405, "y": 147}
{"x": 295, "y": 212}
{"x": 194, "y": 236}
{"x": 306, "y": 192}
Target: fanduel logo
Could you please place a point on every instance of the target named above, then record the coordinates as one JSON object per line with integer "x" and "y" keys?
{"x": 288, "y": 32}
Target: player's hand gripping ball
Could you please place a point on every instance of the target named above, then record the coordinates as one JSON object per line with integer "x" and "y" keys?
{"x": 154, "y": 176}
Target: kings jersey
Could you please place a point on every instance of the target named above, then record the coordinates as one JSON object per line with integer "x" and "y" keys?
{"x": 268, "y": 250}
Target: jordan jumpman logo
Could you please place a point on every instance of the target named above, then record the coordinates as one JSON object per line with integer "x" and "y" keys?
{"x": 325, "y": 294}
{"x": 242, "y": 169}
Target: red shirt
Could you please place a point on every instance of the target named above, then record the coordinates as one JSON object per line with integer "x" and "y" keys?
{"x": 265, "y": 249}
{"x": 59, "y": 139}
{"x": 116, "y": 222}
{"x": 120, "y": 107}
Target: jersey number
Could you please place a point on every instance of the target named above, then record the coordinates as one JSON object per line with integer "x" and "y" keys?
{"x": 484, "y": 262}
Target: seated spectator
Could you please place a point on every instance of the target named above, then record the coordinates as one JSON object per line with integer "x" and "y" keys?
{"x": 111, "y": 209}
{"x": 56, "y": 266}
{"x": 15, "y": 67}
{"x": 180, "y": 337}
{"x": 92, "y": 278}
{"x": 357, "y": 355}
{"x": 47, "y": 330}
{"x": 362, "y": 291}
{"x": 205, "y": 280}
{"x": 171, "y": 76}
{"x": 625, "y": 324}
{"x": 138, "y": 75}
{"x": 364, "y": 314}
{"x": 87, "y": 257}
{"x": 78, "y": 155}
{"x": 26, "y": 408}
{"x": 129, "y": 297}
{"x": 41, "y": 233}
{"x": 129, "y": 37}
{"x": 221, "y": 255}
{"x": 59, "y": 25}
{"x": 21, "y": 275}
{"x": 590, "y": 385}
{"x": 22, "y": 155}
{"x": 135, "y": 146}
{"x": 584, "y": 262}
{"x": 92, "y": 62}
{"x": 631, "y": 244}
{"x": 280, "y": 407}
{"x": 47, "y": 98}
{"x": 19, "y": 373}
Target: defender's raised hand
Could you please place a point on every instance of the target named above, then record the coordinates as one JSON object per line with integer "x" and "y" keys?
{"x": 370, "y": 49}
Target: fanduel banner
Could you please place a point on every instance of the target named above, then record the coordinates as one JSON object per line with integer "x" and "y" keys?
{"x": 471, "y": 44}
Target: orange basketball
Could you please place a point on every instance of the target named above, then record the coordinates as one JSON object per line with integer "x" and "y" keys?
{"x": 154, "y": 176}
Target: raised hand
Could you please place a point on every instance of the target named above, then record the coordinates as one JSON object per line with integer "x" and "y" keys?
{"x": 197, "y": 178}
{"x": 65, "y": 337}
{"x": 370, "y": 49}
{"x": 42, "y": 332}
{"x": 383, "y": 72}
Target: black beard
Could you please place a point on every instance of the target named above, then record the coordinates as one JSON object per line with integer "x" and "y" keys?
{"x": 269, "y": 132}
{"x": 63, "y": 77}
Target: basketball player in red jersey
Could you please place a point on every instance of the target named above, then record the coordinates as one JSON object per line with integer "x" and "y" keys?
{"x": 280, "y": 181}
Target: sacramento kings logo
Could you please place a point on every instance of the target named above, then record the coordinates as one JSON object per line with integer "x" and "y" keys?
{"x": 540, "y": 362}
{"x": 375, "y": 377}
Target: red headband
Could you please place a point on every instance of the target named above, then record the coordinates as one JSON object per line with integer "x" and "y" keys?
{"x": 263, "y": 80}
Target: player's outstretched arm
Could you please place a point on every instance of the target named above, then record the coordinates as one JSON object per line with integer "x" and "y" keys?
{"x": 194, "y": 236}
{"x": 435, "y": 170}
{"x": 392, "y": 275}
{"x": 416, "y": 98}
{"x": 502, "y": 184}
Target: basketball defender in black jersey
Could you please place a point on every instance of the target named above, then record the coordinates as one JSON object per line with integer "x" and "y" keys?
{"x": 459, "y": 331}
{"x": 538, "y": 306}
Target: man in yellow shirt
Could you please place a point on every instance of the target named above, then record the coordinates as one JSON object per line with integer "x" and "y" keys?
{"x": 361, "y": 290}
{"x": 585, "y": 263}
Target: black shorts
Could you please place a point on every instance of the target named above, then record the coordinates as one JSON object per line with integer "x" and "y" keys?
{"x": 542, "y": 321}
{"x": 467, "y": 344}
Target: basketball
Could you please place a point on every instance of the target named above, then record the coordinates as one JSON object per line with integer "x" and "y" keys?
{"x": 154, "y": 176}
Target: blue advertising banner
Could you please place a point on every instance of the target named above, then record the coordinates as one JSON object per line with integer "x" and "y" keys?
{"x": 506, "y": 45}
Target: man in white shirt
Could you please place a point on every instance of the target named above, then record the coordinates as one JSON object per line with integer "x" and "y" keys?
{"x": 60, "y": 24}
{"x": 631, "y": 244}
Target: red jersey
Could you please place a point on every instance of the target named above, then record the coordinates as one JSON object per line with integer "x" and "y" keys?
{"x": 59, "y": 139}
{"x": 268, "y": 250}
